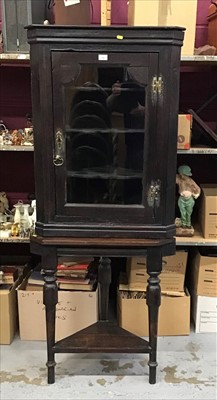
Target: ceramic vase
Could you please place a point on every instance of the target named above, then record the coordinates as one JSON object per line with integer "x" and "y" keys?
{"x": 17, "y": 213}
{"x": 25, "y": 218}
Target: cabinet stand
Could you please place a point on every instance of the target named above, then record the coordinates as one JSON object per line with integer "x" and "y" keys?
{"x": 103, "y": 336}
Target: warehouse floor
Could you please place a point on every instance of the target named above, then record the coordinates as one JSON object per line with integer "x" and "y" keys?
{"x": 187, "y": 370}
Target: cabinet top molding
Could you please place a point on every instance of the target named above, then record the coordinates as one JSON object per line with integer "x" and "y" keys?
{"x": 101, "y": 34}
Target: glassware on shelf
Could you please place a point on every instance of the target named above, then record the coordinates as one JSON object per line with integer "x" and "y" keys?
{"x": 3, "y": 217}
{"x": 33, "y": 216}
{"x": 17, "y": 215}
{"x": 15, "y": 229}
{"x": 25, "y": 221}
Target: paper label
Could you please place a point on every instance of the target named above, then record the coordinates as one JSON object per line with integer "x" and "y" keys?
{"x": 103, "y": 57}
{"x": 70, "y": 2}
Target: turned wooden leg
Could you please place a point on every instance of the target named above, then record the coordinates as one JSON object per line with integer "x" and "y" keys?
{"x": 104, "y": 278}
{"x": 153, "y": 300}
{"x": 50, "y": 299}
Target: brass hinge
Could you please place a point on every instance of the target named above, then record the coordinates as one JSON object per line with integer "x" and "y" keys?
{"x": 157, "y": 86}
{"x": 153, "y": 194}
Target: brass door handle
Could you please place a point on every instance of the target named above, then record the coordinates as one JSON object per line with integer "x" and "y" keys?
{"x": 59, "y": 154}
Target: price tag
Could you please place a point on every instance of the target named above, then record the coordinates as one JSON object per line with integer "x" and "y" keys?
{"x": 103, "y": 57}
{"x": 22, "y": 57}
{"x": 71, "y": 2}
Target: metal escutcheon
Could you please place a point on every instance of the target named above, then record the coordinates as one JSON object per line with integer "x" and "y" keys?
{"x": 58, "y": 159}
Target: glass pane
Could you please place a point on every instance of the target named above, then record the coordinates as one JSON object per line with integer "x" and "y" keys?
{"x": 104, "y": 130}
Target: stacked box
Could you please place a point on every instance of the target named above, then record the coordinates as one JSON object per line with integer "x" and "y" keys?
{"x": 172, "y": 276}
{"x": 75, "y": 310}
{"x": 208, "y": 211}
{"x": 204, "y": 292}
{"x": 204, "y": 273}
{"x": 184, "y": 131}
{"x": 174, "y": 312}
{"x": 8, "y": 314}
{"x": 166, "y": 13}
{"x": 212, "y": 24}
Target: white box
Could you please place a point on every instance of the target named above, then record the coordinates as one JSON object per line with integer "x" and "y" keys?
{"x": 204, "y": 313}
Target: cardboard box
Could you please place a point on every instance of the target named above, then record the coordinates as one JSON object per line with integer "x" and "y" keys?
{"x": 8, "y": 314}
{"x": 174, "y": 315}
{"x": 172, "y": 276}
{"x": 166, "y": 13}
{"x": 75, "y": 14}
{"x": 204, "y": 275}
{"x": 74, "y": 311}
{"x": 184, "y": 131}
{"x": 204, "y": 313}
{"x": 208, "y": 211}
{"x": 212, "y": 24}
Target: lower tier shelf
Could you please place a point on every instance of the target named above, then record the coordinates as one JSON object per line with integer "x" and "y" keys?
{"x": 102, "y": 337}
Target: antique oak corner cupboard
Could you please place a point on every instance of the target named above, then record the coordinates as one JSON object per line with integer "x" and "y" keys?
{"x": 105, "y": 106}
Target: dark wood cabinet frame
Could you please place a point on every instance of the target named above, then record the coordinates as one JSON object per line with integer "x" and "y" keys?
{"x": 99, "y": 230}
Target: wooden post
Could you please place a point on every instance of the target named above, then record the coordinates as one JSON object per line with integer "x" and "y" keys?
{"x": 50, "y": 299}
{"x": 104, "y": 278}
{"x": 153, "y": 300}
{"x": 105, "y": 12}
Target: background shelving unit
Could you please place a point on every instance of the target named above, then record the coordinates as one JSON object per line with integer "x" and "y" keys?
{"x": 16, "y": 162}
{"x": 196, "y": 240}
{"x": 198, "y": 84}
{"x": 198, "y": 60}
{"x": 16, "y": 148}
{"x": 198, "y": 150}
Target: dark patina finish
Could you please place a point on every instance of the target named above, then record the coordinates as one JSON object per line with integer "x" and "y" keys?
{"x": 105, "y": 106}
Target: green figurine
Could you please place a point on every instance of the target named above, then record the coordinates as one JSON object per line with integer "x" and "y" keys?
{"x": 188, "y": 191}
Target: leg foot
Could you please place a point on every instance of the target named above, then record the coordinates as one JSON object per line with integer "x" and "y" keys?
{"x": 51, "y": 372}
{"x": 50, "y": 301}
{"x": 152, "y": 372}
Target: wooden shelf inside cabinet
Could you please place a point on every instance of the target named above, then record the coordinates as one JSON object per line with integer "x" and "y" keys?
{"x": 16, "y": 148}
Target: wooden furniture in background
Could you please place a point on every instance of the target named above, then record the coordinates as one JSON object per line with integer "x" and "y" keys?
{"x": 212, "y": 25}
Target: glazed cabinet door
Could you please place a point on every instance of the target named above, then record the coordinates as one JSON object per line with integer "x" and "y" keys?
{"x": 107, "y": 165}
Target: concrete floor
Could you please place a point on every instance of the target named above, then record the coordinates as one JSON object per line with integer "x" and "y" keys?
{"x": 187, "y": 370}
